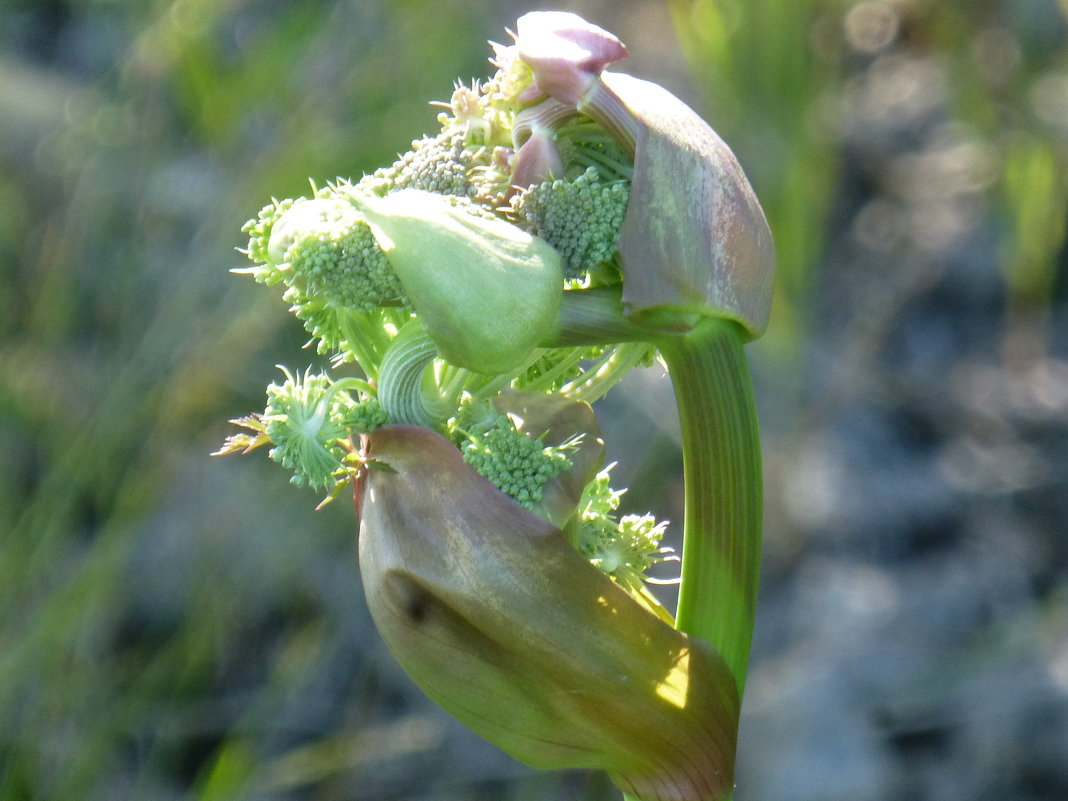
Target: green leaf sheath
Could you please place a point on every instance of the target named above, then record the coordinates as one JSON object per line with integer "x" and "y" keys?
{"x": 722, "y": 466}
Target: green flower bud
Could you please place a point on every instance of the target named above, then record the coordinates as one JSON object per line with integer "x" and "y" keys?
{"x": 503, "y": 623}
{"x": 486, "y": 291}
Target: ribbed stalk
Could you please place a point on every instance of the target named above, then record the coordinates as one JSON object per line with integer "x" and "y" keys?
{"x": 593, "y": 317}
{"x": 607, "y": 108}
{"x": 721, "y": 464}
{"x": 723, "y": 492}
{"x": 402, "y": 384}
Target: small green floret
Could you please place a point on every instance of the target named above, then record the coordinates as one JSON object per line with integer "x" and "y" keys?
{"x": 306, "y": 421}
{"x": 515, "y": 463}
{"x": 328, "y": 251}
{"x": 441, "y": 164}
{"x": 337, "y": 279}
{"x": 581, "y": 218}
{"x": 259, "y": 236}
{"x": 626, "y": 548}
{"x": 366, "y": 416}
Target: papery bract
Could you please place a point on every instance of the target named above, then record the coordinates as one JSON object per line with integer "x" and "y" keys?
{"x": 499, "y": 620}
{"x": 565, "y": 51}
{"x": 694, "y": 238}
{"x": 538, "y": 159}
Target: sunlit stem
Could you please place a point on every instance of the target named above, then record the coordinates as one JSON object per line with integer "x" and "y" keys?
{"x": 549, "y": 378}
{"x": 361, "y": 340}
{"x": 595, "y": 382}
{"x": 723, "y": 492}
{"x": 453, "y": 381}
{"x": 352, "y": 384}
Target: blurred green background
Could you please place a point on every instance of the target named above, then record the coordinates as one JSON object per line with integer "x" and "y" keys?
{"x": 174, "y": 626}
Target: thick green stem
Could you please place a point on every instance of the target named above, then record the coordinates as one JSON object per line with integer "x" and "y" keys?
{"x": 593, "y": 317}
{"x": 721, "y": 463}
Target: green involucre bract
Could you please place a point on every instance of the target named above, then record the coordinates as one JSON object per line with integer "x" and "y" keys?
{"x": 486, "y": 291}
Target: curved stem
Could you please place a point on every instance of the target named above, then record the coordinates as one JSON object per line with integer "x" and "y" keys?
{"x": 594, "y": 317}
{"x": 608, "y": 371}
{"x": 361, "y": 341}
{"x": 722, "y": 466}
{"x": 401, "y": 385}
{"x": 353, "y": 384}
{"x": 721, "y": 462}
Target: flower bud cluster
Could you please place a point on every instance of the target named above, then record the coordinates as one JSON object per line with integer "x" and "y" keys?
{"x": 515, "y": 463}
{"x": 516, "y": 263}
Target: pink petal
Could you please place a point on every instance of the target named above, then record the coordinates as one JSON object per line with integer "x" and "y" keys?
{"x": 565, "y": 52}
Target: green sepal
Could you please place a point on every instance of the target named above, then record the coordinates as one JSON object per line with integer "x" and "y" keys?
{"x": 486, "y": 290}
{"x": 497, "y": 618}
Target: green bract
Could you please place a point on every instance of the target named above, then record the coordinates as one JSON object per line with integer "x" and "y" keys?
{"x": 486, "y": 290}
{"x": 493, "y": 613}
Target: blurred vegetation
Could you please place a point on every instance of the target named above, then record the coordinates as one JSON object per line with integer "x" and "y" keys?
{"x": 778, "y": 76}
{"x": 173, "y": 626}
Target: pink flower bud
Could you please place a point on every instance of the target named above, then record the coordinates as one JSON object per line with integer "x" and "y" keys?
{"x": 565, "y": 52}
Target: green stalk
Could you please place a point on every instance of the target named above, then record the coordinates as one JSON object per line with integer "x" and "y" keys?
{"x": 608, "y": 371}
{"x": 593, "y": 317}
{"x": 403, "y": 388}
{"x": 723, "y": 492}
{"x": 721, "y": 463}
